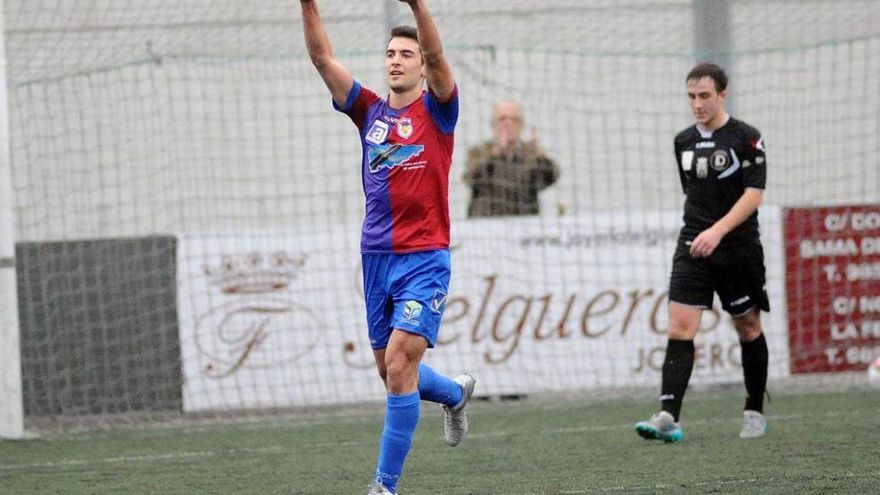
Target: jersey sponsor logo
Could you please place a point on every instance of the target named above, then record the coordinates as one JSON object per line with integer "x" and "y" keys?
{"x": 733, "y": 168}
{"x": 705, "y": 144}
{"x": 412, "y": 310}
{"x": 378, "y": 132}
{"x": 687, "y": 159}
{"x": 438, "y": 301}
{"x": 759, "y": 160}
{"x": 702, "y": 167}
{"x": 758, "y": 144}
{"x": 392, "y": 155}
{"x": 404, "y": 128}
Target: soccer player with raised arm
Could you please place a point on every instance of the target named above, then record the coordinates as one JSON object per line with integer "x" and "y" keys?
{"x": 723, "y": 170}
{"x": 407, "y": 142}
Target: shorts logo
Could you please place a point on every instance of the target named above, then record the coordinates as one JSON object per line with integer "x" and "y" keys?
{"x": 404, "y": 128}
{"x": 438, "y": 301}
{"x": 412, "y": 310}
{"x": 378, "y": 132}
{"x": 741, "y": 300}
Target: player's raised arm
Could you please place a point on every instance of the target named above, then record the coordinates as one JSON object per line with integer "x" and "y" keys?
{"x": 437, "y": 71}
{"x": 337, "y": 78}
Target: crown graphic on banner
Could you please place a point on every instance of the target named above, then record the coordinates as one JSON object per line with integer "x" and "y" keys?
{"x": 254, "y": 272}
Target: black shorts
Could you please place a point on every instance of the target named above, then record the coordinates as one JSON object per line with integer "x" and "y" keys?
{"x": 735, "y": 272}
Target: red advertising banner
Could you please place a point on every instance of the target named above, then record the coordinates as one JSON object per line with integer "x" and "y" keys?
{"x": 832, "y": 272}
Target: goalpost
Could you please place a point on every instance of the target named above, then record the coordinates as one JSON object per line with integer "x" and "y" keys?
{"x": 11, "y": 409}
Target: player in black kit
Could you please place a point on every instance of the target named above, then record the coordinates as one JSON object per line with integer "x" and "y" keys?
{"x": 723, "y": 170}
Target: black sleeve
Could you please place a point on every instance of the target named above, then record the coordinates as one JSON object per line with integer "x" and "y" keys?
{"x": 753, "y": 159}
{"x": 678, "y": 149}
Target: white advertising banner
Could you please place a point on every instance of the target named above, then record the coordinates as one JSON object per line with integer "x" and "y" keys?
{"x": 535, "y": 304}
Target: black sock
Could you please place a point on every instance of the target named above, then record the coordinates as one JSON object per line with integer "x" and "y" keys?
{"x": 754, "y": 362}
{"x": 677, "y": 368}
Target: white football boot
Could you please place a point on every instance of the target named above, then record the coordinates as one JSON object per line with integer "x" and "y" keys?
{"x": 455, "y": 422}
{"x": 661, "y": 426}
{"x": 379, "y": 489}
{"x": 754, "y": 425}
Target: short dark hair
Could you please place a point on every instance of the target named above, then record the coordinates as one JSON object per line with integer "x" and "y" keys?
{"x": 404, "y": 32}
{"x": 706, "y": 69}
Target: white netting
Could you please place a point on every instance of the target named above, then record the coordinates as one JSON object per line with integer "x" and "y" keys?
{"x": 204, "y": 121}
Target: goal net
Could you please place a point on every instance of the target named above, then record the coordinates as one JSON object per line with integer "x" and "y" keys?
{"x": 187, "y": 205}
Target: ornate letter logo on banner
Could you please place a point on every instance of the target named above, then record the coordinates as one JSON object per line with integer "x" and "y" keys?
{"x": 257, "y": 324}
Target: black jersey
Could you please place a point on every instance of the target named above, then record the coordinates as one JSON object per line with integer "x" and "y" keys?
{"x": 715, "y": 169}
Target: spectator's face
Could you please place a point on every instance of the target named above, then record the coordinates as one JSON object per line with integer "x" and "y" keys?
{"x": 706, "y": 102}
{"x": 507, "y": 122}
{"x": 403, "y": 64}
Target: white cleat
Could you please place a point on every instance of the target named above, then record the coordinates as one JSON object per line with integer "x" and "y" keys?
{"x": 754, "y": 425}
{"x": 379, "y": 489}
{"x": 661, "y": 426}
{"x": 455, "y": 422}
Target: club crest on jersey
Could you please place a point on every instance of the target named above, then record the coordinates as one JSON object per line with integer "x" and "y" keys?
{"x": 719, "y": 160}
{"x": 404, "y": 128}
{"x": 378, "y": 132}
{"x": 392, "y": 155}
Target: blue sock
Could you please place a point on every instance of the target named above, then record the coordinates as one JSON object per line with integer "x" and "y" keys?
{"x": 401, "y": 418}
{"x": 435, "y": 387}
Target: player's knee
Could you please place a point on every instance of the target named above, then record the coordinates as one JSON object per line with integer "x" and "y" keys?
{"x": 749, "y": 333}
{"x": 682, "y": 328}
{"x": 684, "y": 321}
{"x": 748, "y": 326}
{"x": 680, "y": 334}
{"x": 399, "y": 372}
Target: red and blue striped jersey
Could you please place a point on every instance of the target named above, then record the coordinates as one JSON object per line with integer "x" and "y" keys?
{"x": 407, "y": 154}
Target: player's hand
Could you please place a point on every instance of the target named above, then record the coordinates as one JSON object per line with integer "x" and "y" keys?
{"x": 705, "y": 243}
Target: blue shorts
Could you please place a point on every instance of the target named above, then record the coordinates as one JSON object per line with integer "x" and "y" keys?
{"x": 406, "y": 292}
